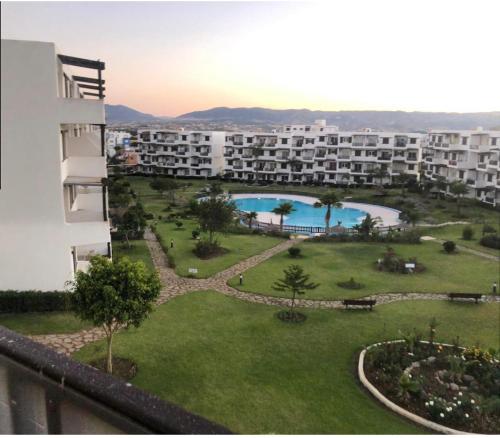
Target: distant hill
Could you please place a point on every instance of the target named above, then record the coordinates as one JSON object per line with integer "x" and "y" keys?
{"x": 122, "y": 113}
{"x": 350, "y": 120}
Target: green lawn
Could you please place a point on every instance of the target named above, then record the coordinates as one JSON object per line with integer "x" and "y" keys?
{"x": 42, "y": 323}
{"x": 329, "y": 263}
{"x": 235, "y": 363}
{"x": 138, "y": 251}
{"x": 454, "y": 232}
{"x": 240, "y": 247}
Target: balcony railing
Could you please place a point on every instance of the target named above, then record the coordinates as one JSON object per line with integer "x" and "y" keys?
{"x": 43, "y": 392}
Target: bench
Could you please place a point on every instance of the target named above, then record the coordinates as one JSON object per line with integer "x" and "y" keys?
{"x": 359, "y": 303}
{"x": 465, "y": 296}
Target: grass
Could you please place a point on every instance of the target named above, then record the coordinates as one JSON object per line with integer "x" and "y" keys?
{"x": 240, "y": 247}
{"x": 329, "y": 263}
{"x": 240, "y": 366}
{"x": 42, "y": 323}
{"x": 454, "y": 232}
{"x": 138, "y": 252}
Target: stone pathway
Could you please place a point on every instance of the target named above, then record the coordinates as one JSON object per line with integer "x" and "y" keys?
{"x": 175, "y": 286}
{"x": 466, "y": 249}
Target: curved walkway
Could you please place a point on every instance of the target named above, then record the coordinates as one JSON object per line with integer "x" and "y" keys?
{"x": 175, "y": 286}
{"x": 469, "y": 250}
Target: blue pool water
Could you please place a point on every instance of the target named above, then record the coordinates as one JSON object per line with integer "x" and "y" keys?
{"x": 304, "y": 214}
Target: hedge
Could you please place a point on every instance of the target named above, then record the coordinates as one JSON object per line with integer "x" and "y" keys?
{"x": 491, "y": 241}
{"x": 12, "y": 301}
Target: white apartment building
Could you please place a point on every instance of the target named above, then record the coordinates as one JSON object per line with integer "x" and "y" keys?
{"x": 53, "y": 199}
{"x": 115, "y": 139}
{"x": 321, "y": 154}
{"x": 468, "y": 156}
{"x": 180, "y": 153}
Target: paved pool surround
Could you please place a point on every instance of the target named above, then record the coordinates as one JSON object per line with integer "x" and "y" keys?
{"x": 389, "y": 217}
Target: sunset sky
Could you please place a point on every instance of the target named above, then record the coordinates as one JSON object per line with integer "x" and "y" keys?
{"x": 170, "y": 58}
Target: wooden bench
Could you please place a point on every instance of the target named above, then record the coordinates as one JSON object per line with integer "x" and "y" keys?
{"x": 465, "y": 296}
{"x": 359, "y": 303}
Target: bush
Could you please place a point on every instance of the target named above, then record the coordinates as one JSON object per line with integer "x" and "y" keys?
{"x": 149, "y": 216}
{"x": 12, "y": 301}
{"x": 467, "y": 233}
{"x": 488, "y": 229}
{"x": 449, "y": 246}
{"x": 179, "y": 224}
{"x": 390, "y": 262}
{"x": 277, "y": 233}
{"x": 294, "y": 252}
{"x": 491, "y": 241}
{"x": 195, "y": 234}
{"x": 410, "y": 236}
{"x": 205, "y": 250}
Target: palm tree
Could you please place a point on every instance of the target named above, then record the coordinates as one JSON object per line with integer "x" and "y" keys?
{"x": 458, "y": 189}
{"x": 441, "y": 184}
{"x": 328, "y": 200}
{"x": 251, "y": 215}
{"x": 214, "y": 189}
{"x": 378, "y": 173}
{"x": 411, "y": 216}
{"x": 367, "y": 225}
{"x": 285, "y": 208}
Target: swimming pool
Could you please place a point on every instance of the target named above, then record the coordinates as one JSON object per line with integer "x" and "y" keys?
{"x": 307, "y": 215}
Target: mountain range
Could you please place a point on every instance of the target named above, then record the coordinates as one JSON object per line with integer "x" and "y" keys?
{"x": 346, "y": 120}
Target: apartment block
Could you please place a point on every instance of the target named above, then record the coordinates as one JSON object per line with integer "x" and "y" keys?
{"x": 321, "y": 154}
{"x": 53, "y": 198}
{"x": 180, "y": 153}
{"x": 471, "y": 157}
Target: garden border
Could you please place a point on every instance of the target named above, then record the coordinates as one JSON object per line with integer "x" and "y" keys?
{"x": 393, "y": 406}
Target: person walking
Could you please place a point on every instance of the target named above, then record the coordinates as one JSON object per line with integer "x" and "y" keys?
{"x": 171, "y": 243}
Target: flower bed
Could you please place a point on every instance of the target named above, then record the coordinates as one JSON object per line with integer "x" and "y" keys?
{"x": 456, "y": 387}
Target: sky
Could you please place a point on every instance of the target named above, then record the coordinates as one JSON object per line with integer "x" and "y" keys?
{"x": 169, "y": 58}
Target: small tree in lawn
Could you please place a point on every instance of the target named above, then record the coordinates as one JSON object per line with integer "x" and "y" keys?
{"x": 411, "y": 216}
{"x": 114, "y": 294}
{"x": 328, "y": 200}
{"x": 132, "y": 224}
{"x": 251, "y": 215}
{"x": 165, "y": 185}
{"x": 215, "y": 215}
{"x": 296, "y": 283}
{"x": 214, "y": 189}
{"x": 285, "y": 208}
{"x": 403, "y": 179}
{"x": 458, "y": 189}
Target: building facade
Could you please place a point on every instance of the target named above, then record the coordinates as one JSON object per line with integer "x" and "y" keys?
{"x": 471, "y": 157}
{"x": 53, "y": 198}
{"x": 321, "y": 154}
{"x": 180, "y": 153}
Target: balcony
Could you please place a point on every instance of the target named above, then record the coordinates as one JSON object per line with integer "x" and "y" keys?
{"x": 384, "y": 158}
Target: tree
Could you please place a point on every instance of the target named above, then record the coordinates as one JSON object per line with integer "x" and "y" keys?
{"x": 285, "y": 208}
{"x": 403, "y": 179}
{"x": 215, "y": 215}
{"x": 119, "y": 191}
{"x": 132, "y": 223}
{"x": 378, "y": 173}
{"x": 114, "y": 294}
{"x": 294, "y": 282}
{"x": 328, "y": 200}
{"x": 458, "y": 189}
{"x": 441, "y": 183}
{"x": 251, "y": 215}
{"x": 367, "y": 225}
{"x": 165, "y": 185}
{"x": 411, "y": 216}
{"x": 214, "y": 189}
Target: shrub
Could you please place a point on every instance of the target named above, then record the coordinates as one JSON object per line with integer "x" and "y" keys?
{"x": 390, "y": 262}
{"x": 294, "y": 252}
{"x": 179, "y": 224}
{"x": 467, "y": 233}
{"x": 277, "y": 233}
{"x": 149, "y": 216}
{"x": 449, "y": 246}
{"x": 195, "y": 234}
{"x": 491, "y": 241}
{"x": 205, "y": 249}
{"x": 12, "y": 301}
{"x": 488, "y": 229}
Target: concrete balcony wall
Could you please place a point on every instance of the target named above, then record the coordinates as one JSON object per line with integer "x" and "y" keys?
{"x": 87, "y": 145}
{"x": 81, "y": 111}
{"x": 88, "y": 201}
{"x": 85, "y": 233}
{"x": 94, "y": 167}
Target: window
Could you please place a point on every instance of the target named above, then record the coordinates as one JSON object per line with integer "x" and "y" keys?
{"x": 297, "y": 154}
{"x": 249, "y": 164}
{"x": 490, "y": 177}
{"x": 272, "y": 153}
{"x": 322, "y": 138}
{"x": 184, "y": 137}
{"x": 357, "y": 153}
{"x": 385, "y": 140}
{"x": 413, "y": 140}
{"x": 249, "y": 139}
{"x": 284, "y": 141}
{"x": 461, "y": 174}
{"x": 207, "y": 138}
{"x": 283, "y": 165}
{"x": 494, "y": 141}
{"x": 411, "y": 167}
{"x": 464, "y": 141}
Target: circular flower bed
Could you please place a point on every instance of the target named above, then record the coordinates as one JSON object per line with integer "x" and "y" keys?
{"x": 291, "y": 317}
{"x": 390, "y": 262}
{"x": 455, "y": 387}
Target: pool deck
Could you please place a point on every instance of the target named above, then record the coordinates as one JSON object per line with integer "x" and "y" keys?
{"x": 388, "y": 217}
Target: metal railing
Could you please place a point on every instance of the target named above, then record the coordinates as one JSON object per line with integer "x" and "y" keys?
{"x": 44, "y": 392}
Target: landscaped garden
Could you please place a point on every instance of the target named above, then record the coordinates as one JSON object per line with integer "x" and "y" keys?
{"x": 238, "y": 247}
{"x": 42, "y": 323}
{"x": 248, "y": 370}
{"x": 331, "y": 263}
{"x": 138, "y": 250}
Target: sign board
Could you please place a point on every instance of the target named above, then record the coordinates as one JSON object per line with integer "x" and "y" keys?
{"x": 410, "y": 265}
{"x": 193, "y": 270}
